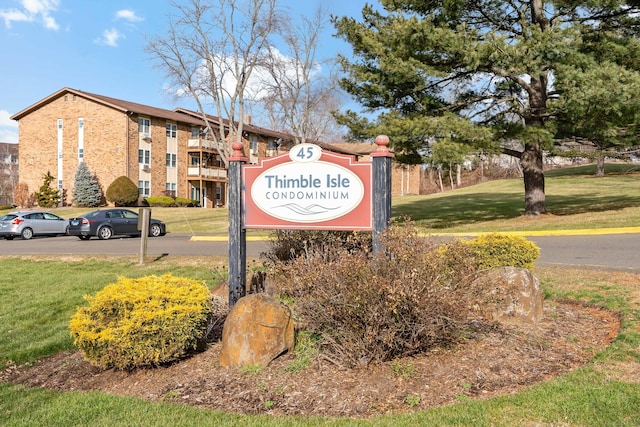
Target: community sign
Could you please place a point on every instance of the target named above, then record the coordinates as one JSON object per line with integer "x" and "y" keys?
{"x": 308, "y": 188}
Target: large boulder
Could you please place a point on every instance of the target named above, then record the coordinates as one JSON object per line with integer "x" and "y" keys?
{"x": 508, "y": 295}
{"x": 258, "y": 329}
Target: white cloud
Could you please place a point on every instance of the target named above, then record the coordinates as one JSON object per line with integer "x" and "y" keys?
{"x": 110, "y": 37}
{"x": 128, "y": 15}
{"x": 8, "y": 128}
{"x": 32, "y": 11}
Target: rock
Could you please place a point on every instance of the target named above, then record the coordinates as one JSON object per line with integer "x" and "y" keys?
{"x": 257, "y": 330}
{"x": 509, "y": 295}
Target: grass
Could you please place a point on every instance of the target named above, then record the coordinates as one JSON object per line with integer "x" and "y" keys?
{"x": 40, "y": 294}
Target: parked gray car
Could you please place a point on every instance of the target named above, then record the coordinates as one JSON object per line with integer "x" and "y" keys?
{"x": 29, "y": 224}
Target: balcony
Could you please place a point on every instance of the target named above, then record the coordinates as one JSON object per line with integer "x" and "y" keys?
{"x": 207, "y": 173}
{"x": 205, "y": 144}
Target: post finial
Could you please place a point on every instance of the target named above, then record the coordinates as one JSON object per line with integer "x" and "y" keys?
{"x": 383, "y": 142}
{"x": 237, "y": 149}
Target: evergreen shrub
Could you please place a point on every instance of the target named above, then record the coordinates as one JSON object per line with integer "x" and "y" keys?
{"x": 184, "y": 202}
{"x": 47, "y": 197}
{"x": 122, "y": 192}
{"x": 160, "y": 201}
{"x": 86, "y": 189}
{"x": 142, "y": 322}
{"x": 500, "y": 250}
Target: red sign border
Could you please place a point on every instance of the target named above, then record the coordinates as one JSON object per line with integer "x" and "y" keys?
{"x": 360, "y": 218}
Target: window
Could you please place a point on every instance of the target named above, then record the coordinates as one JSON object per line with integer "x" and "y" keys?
{"x": 195, "y": 161}
{"x": 172, "y": 160}
{"x": 195, "y": 133}
{"x": 144, "y": 126}
{"x": 144, "y": 156}
{"x": 253, "y": 144}
{"x": 172, "y": 130}
{"x": 80, "y": 139}
{"x": 171, "y": 189}
{"x": 143, "y": 188}
{"x": 273, "y": 145}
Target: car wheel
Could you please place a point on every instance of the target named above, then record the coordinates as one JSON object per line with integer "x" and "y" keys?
{"x": 26, "y": 234}
{"x": 155, "y": 230}
{"x": 84, "y": 237}
{"x": 105, "y": 233}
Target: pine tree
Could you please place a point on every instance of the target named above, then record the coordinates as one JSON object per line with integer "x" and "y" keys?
{"x": 86, "y": 189}
{"x": 528, "y": 71}
{"x": 47, "y": 197}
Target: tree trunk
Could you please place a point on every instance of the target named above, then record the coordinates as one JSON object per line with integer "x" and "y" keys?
{"x": 451, "y": 177}
{"x": 534, "y": 197}
{"x": 440, "y": 179}
{"x": 600, "y": 164}
{"x": 458, "y": 175}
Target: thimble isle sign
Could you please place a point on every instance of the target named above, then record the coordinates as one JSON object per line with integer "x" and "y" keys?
{"x": 308, "y": 188}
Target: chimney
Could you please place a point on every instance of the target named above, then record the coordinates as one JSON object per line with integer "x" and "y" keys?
{"x": 247, "y": 119}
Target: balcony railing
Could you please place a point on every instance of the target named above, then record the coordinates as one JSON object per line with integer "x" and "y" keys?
{"x": 205, "y": 143}
{"x": 207, "y": 172}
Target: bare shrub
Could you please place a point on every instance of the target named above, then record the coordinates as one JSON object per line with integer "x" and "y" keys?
{"x": 22, "y": 197}
{"x": 287, "y": 245}
{"x": 372, "y": 308}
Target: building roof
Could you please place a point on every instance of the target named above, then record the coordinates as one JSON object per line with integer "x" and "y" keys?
{"x": 285, "y": 137}
{"x": 181, "y": 115}
{"x": 359, "y": 148}
{"x": 118, "y": 104}
{"x": 9, "y": 148}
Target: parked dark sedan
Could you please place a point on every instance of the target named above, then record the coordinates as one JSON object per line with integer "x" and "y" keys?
{"x": 106, "y": 223}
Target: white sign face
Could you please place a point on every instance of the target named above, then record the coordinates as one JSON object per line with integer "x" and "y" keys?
{"x": 306, "y": 189}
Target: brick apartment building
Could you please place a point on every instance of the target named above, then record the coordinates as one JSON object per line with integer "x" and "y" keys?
{"x": 163, "y": 151}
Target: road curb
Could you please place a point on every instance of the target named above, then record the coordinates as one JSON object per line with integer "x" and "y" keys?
{"x": 537, "y": 233}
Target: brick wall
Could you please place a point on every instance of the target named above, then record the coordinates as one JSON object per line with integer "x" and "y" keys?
{"x": 105, "y": 131}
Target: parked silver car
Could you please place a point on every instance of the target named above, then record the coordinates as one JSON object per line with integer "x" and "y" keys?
{"x": 29, "y": 224}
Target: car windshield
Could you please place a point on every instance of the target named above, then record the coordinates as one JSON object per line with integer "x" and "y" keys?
{"x": 8, "y": 217}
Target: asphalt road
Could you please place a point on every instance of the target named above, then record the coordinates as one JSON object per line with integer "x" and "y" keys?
{"x": 619, "y": 252}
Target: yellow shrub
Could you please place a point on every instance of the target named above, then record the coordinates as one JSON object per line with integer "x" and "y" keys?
{"x": 499, "y": 250}
{"x": 140, "y": 322}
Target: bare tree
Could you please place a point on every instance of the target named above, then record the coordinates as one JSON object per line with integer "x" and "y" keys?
{"x": 297, "y": 95}
{"x": 209, "y": 53}
{"x": 8, "y": 172}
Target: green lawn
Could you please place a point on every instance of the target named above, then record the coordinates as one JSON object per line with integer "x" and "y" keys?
{"x": 39, "y": 296}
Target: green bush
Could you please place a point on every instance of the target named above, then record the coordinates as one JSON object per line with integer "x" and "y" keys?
{"x": 500, "y": 250}
{"x": 184, "y": 202}
{"x": 142, "y": 322}
{"x": 122, "y": 192}
{"x": 161, "y": 201}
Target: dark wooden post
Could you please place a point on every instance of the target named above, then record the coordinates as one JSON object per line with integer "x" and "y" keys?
{"x": 237, "y": 233}
{"x": 381, "y": 160}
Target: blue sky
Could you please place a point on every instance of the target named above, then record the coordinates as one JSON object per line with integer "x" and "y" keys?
{"x": 98, "y": 46}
